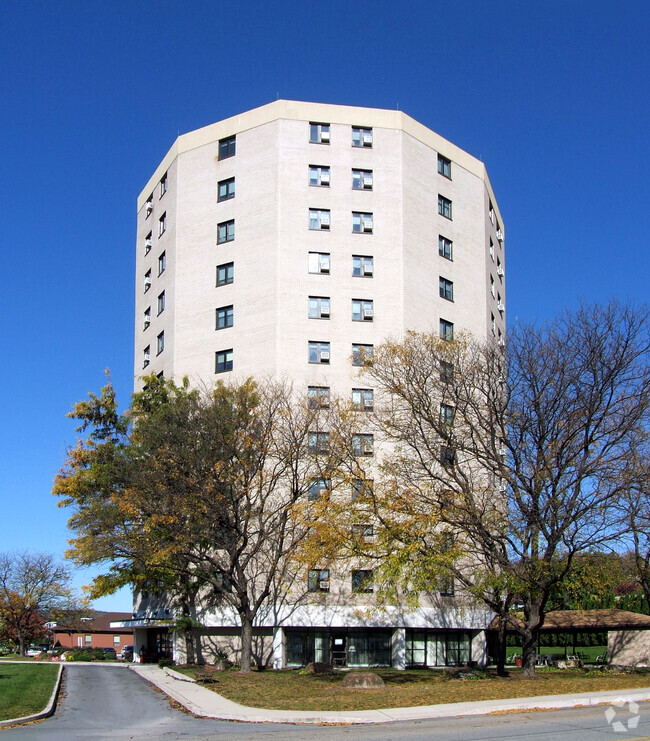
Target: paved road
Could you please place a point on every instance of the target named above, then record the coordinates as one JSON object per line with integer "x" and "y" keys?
{"x": 114, "y": 703}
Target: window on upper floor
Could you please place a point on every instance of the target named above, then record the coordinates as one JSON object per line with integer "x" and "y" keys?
{"x": 227, "y": 147}
{"x": 491, "y": 248}
{"x": 161, "y": 303}
{"x": 319, "y": 218}
{"x": 319, "y": 262}
{"x": 146, "y": 356}
{"x": 319, "y": 175}
{"x": 162, "y": 224}
{"x": 362, "y": 581}
{"x": 146, "y": 318}
{"x": 319, "y": 133}
{"x": 148, "y": 243}
{"x": 160, "y": 343}
{"x": 319, "y": 307}
{"x": 446, "y": 371}
{"x": 147, "y": 280}
{"x": 362, "y": 400}
{"x": 319, "y": 352}
{"x": 162, "y": 263}
{"x": 444, "y": 207}
{"x": 318, "y": 580}
{"x": 445, "y": 247}
{"x": 362, "y": 488}
{"x": 318, "y": 442}
{"x": 319, "y": 488}
{"x": 492, "y": 289}
{"x": 447, "y": 455}
{"x": 493, "y": 324}
{"x": 444, "y": 166}
{"x": 362, "y": 354}
{"x": 361, "y": 136}
{"x": 362, "y": 266}
{"x": 446, "y": 414}
{"x": 364, "y": 533}
{"x": 224, "y": 361}
{"x": 361, "y": 222}
{"x": 362, "y": 310}
{"x": 163, "y": 185}
{"x": 225, "y": 316}
{"x": 491, "y": 212}
{"x": 226, "y": 189}
{"x": 363, "y": 444}
{"x": 318, "y": 397}
{"x": 225, "y": 273}
{"x": 148, "y": 206}
{"x": 362, "y": 179}
{"x": 446, "y": 330}
{"x": 226, "y": 231}
{"x": 446, "y": 288}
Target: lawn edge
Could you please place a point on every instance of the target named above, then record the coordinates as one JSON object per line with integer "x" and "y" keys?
{"x": 47, "y": 711}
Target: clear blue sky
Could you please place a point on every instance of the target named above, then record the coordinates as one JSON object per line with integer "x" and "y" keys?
{"x": 553, "y": 96}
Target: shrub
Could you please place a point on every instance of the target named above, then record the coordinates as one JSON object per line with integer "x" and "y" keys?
{"x": 162, "y": 663}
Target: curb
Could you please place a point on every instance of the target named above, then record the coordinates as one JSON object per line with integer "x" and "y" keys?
{"x": 47, "y": 710}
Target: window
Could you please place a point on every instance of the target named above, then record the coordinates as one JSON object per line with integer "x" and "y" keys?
{"x": 446, "y": 414}
{"x": 318, "y": 397}
{"x": 319, "y": 262}
{"x": 446, "y": 288}
{"x": 161, "y": 303}
{"x": 318, "y": 442}
{"x": 444, "y": 207}
{"x": 148, "y": 206}
{"x": 319, "y": 307}
{"x": 147, "y": 280}
{"x": 162, "y": 263}
{"x": 318, "y": 488}
{"x": 319, "y": 133}
{"x": 116, "y": 640}
{"x": 493, "y": 324}
{"x": 319, "y": 218}
{"x": 447, "y": 587}
{"x": 362, "y": 266}
{"x": 444, "y": 166}
{"x": 319, "y": 175}
{"x": 491, "y": 212}
{"x": 319, "y": 352}
{"x": 362, "y": 488}
{"x": 446, "y": 330}
{"x": 146, "y": 356}
{"x": 447, "y": 455}
{"x": 162, "y": 224}
{"x": 362, "y": 354}
{"x": 88, "y": 640}
{"x": 223, "y": 582}
{"x": 361, "y": 137}
{"x": 500, "y": 305}
{"x": 362, "y": 179}
{"x": 147, "y": 243}
{"x": 160, "y": 343}
{"x": 362, "y": 400}
{"x": 225, "y": 273}
{"x": 361, "y": 223}
{"x": 362, "y": 310}
{"x": 147, "y": 318}
{"x": 445, "y": 247}
{"x": 492, "y": 286}
{"x": 363, "y": 444}
{"x": 364, "y": 533}
{"x": 227, "y": 147}
{"x": 491, "y": 248}
{"x": 226, "y": 189}
{"x": 163, "y": 185}
{"x": 318, "y": 580}
{"x": 446, "y": 371}
{"x": 362, "y": 580}
{"x": 224, "y": 317}
{"x": 226, "y": 231}
{"x": 500, "y": 270}
{"x": 223, "y": 361}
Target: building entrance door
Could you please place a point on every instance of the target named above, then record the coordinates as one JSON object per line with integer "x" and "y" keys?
{"x": 339, "y": 649}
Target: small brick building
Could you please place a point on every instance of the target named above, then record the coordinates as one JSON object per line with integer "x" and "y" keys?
{"x": 94, "y": 631}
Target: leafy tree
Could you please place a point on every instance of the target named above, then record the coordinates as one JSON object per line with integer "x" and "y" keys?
{"x": 204, "y": 491}
{"x": 520, "y": 453}
{"x": 33, "y": 588}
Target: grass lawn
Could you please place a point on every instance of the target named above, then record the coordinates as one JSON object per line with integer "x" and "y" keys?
{"x": 25, "y": 689}
{"x": 289, "y": 690}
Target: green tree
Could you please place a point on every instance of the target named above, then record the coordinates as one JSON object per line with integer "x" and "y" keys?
{"x": 521, "y": 453}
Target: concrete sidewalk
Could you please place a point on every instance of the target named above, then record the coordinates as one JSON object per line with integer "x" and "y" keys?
{"x": 208, "y": 704}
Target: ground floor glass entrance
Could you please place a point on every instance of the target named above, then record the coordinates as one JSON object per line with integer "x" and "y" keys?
{"x": 339, "y": 647}
{"x": 438, "y": 647}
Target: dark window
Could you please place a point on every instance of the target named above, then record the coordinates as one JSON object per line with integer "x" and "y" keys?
{"x": 318, "y": 580}
{"x": 362, "y": 354}
{"x": 227, "y": 147}
{"x": 226, "y": 189}
{"x": 444, "y": 207}
{"x": 318, "y": 397}
{"x": 225, "y": 317}
{"x": 444, "y": 166}
{"x": 362, "y": 580}
{"x": 223, "y": 361}
{"x": 445, "y": 247}
{"x": 226, "y": 231}
{"x": 446, "y": 288}
{"x": 446, "y": 330}
{"x": 225, "y": 273}
{"x": 319, "y": 133}
{"x": 447, "y": 455}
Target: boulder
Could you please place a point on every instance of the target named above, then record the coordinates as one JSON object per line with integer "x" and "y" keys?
{"x": 362, "y": 681}
{"x": 318, "y": 667}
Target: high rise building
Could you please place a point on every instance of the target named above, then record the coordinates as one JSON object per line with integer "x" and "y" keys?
{"x": 283, "y": 241}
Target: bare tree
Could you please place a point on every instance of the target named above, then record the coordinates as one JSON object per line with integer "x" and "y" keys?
{"x": 32, "y": 587}
{"x": 519, "y": 452}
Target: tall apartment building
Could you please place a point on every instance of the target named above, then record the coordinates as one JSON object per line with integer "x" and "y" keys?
{"x": 281, "y": 241}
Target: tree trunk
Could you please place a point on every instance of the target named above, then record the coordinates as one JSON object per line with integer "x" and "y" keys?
{"x": 190, "y": 657}
{"x": 532, "y": 623}
{"x": 501, "y": 648}
{"x": 21, "y": 645}
{"x": 246, "y": 641}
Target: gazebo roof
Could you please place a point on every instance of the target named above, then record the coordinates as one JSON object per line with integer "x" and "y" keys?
{"x": 611, "y": 619}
